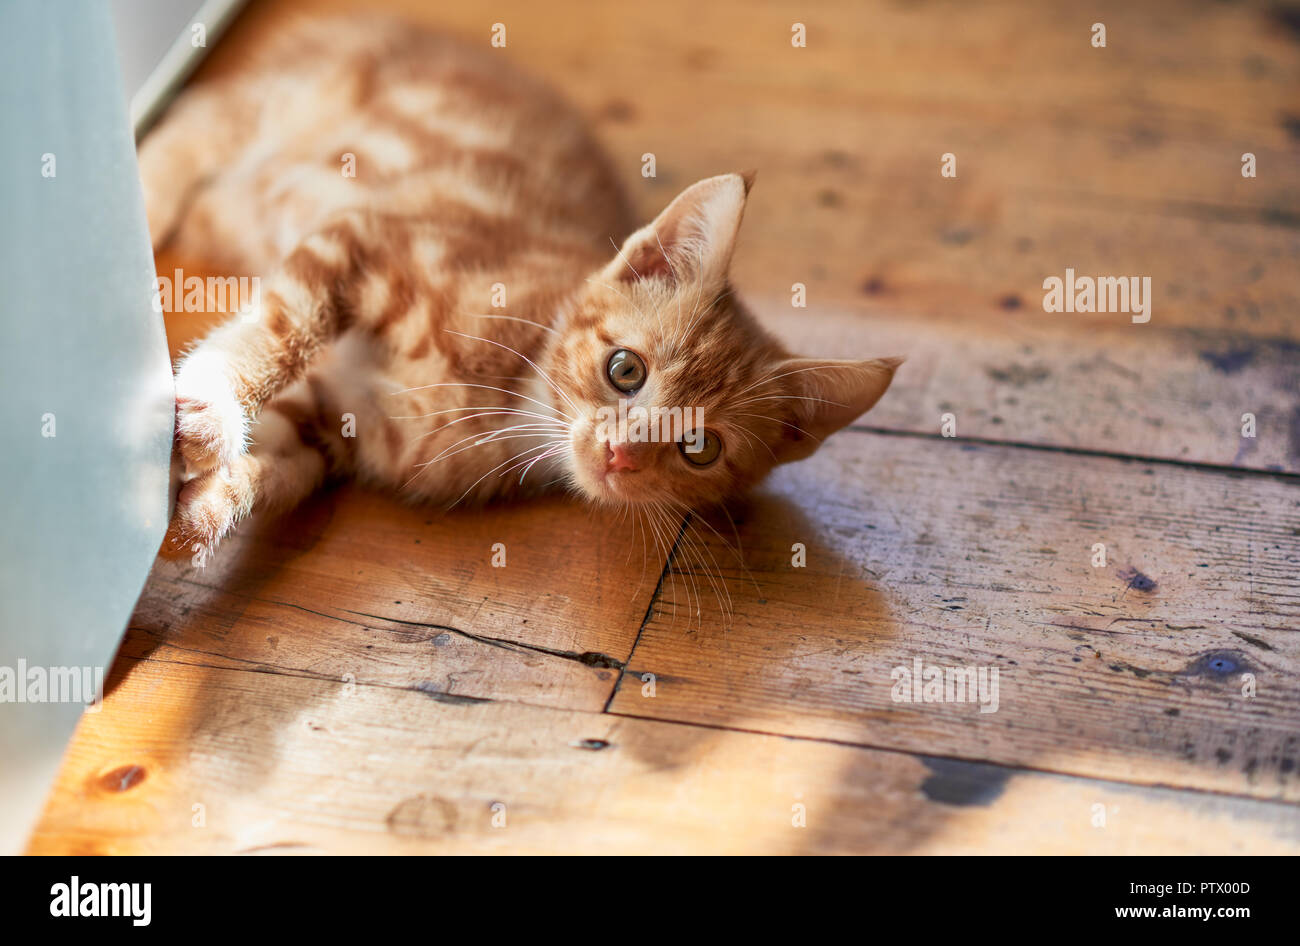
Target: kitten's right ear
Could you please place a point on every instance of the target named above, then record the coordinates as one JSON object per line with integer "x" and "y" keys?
{"x": 692, "y": 240}
{"x": 826, "y": 396}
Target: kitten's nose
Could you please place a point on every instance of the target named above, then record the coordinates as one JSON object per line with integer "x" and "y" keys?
{"x": 619, "y": 459}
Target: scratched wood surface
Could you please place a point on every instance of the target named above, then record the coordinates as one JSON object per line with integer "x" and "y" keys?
{"x": 358, "y": 677}
{"x": 281, "y": 764}
{"x": 358, "y": 586}
{"x": 980, "y": 555}
{"x": 1101, "y": 391}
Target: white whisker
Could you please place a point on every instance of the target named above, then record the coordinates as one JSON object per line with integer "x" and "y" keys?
{"x": 542, "y": 446}
{"x": 619, "y": 250}
{"x": 486, "y": 387}
{"x": 545, "y": 377}
{"x": 515, "y": 318}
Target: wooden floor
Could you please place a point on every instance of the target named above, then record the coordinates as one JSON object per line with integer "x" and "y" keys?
{"x": 359, "y": 678}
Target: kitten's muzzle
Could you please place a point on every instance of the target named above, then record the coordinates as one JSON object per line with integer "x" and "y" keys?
{"x": 621, "y": 458}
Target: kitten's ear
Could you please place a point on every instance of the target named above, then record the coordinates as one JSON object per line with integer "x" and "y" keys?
{"x": 691, "y": 241}
{"x": 828, "y": 395}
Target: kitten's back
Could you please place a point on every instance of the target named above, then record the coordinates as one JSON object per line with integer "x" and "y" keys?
{"x": 349, "y": 113}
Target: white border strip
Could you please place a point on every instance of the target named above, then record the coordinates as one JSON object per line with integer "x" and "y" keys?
{"x": 179, "y": 63}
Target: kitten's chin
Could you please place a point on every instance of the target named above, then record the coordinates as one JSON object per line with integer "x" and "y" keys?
{"x": 622, "y": 488}
{"x": 610, "y": 488}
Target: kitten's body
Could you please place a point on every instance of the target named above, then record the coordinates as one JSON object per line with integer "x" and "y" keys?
{"x": 377, "y": 350}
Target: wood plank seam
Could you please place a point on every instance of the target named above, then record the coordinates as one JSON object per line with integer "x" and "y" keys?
{"x": 303, "y": 674}
{"x": 673, "y": 722}
{"x": 586, "y": 658}
{"x": 1074, "y": 451}
{"x": 1201, "y": 210}
{"x": 649, "y": 612}
{"x": 911, "y": 754}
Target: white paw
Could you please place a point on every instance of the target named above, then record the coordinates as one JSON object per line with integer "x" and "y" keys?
{"x": 206, "y": 511}
{"x": 210, "y": 426}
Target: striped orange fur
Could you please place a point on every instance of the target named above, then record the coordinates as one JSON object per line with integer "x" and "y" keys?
{"x": 442, "y": 323}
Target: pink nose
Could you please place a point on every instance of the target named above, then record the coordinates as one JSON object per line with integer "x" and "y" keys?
{"x": 619, "y": 459}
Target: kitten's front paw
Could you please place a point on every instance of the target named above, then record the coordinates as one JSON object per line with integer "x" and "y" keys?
{"x": 206, "y": 511}
{"x": 210, "y": 427}
{"x": 209, "y": 434}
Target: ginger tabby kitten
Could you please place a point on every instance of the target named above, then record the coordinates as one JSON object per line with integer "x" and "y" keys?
{"x": 472, "y": 181}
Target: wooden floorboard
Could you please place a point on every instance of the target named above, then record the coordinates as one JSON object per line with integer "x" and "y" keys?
{"x": 359, "y": 677}
{"x": 293, "y": 765}
{"x": 1172, "y": 394}
{"x": 964, "y": 555}
{"x": 359, "y": 586}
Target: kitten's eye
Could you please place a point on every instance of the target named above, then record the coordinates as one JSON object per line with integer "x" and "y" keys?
{"x": 626, "y": 370}
{"x": 710, "y": 447}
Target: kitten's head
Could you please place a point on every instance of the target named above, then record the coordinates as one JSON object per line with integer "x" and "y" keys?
{"x": 678, "y": 396}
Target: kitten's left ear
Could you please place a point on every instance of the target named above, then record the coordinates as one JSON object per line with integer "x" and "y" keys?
{"x": 828, "y": 395}
{"x": 692, "y": 240}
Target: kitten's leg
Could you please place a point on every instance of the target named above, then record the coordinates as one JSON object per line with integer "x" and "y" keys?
{"x": 223, "y": 383}
{"x": 292, "y": 451}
